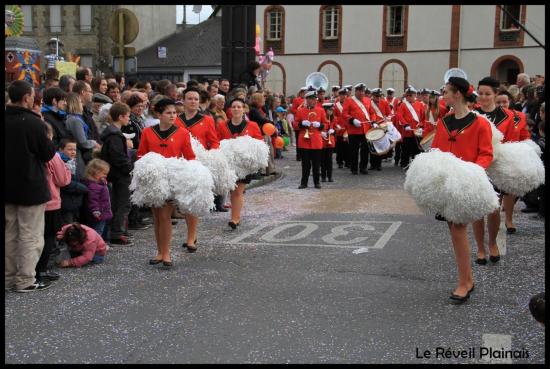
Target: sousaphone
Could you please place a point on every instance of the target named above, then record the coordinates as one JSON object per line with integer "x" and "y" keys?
{"x": 454, "y": 72}
{"x": 317, "y": 80}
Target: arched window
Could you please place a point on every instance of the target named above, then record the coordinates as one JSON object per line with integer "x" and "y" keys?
{"x": 330, "y": 29}
{"x": 276, "y": 80}
{"x": 506, "y": 68}
{"x": 393, "y": 73}
{"x": 274, "y": 32}
{"x": 333, "y": 71}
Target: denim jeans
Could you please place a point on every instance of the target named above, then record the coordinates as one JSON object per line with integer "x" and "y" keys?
{"x": 98, "y": 259}
{"x": 101, "y": 229}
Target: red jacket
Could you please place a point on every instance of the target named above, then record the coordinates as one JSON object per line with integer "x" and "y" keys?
{"x": 315, "y": 114}
{"x": 296, "y": 103}
{"x": 393, "y": 103}
{"x": 251, "y": 130}
{"x": 176, "y": 145}
{"x": 430, "y": 127}
{"x": 326, "y": 128}
{"x": 339, "y": 125}
{"x": 472, "y": 143}
{"x": 353, "y": 111}
{"x": 203, "y": 129}
{"x": 384, "y": 108}
{"x": 94, "y": 245}
{"x": 518, "y": 131}
{"x": 404, "y": 118}
{"x": 503, "y": 120}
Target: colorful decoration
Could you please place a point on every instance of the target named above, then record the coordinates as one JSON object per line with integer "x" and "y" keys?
{"x": 266, "y": 62}
{"x": 286, "y": 140}
{"x": 28, "y": 67}
{"x": 279, "y": 142}
{"x": 268, "y": 129}
{"x": 13, "y": 20}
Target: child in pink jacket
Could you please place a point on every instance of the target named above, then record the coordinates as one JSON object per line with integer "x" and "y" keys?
{"x": 84, "y": 243}
{"x": 57, "y": 175}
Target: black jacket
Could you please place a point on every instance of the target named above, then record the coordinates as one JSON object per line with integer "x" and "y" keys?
{"x": 115, "y": 152}
{"x": 134, "y": 126}
{"x": 27, "y": 151}
{"x": 249, "y": 78}
{"x": 258, "y": 116}
{"x": 58, "y": 123}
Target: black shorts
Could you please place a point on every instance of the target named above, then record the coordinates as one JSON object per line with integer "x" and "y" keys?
{"x": 246, "y": 180}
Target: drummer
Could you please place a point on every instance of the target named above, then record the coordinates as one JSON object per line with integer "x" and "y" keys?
{"x": 329, "y": 142}
{"x": 357, "y": 116}
{"x": 409, "y": 115}
{"x": 468, "y": 136}
{"x": 383, "y": 112}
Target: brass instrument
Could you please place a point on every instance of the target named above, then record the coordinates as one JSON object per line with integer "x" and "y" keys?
{"x": 306, "y": 135}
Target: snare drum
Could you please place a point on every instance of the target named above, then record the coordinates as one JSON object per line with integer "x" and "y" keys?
{"x": 392, "y": 132}
{"x": 426, "y": 142}
{"x": 378, "y": 141}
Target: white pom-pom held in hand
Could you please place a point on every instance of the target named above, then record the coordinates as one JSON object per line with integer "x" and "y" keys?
{"x": 150, "y": 184}
{"x": 246, "y": 155}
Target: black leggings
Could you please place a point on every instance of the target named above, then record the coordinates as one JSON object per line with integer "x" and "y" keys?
{"x": 52, "y": 224}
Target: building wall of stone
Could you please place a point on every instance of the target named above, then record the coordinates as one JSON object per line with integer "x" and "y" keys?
{"x": 155, "y": 23}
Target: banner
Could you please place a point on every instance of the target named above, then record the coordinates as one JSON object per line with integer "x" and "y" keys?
{"x": 66, "y": 68}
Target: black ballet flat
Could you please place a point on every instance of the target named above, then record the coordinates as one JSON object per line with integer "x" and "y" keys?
{"x": 457, "y": 300}
{"x": 167, "y": 263}
{"x": 154, "y": 261}
{"x": 494, "y": 259}
{"x": 471, "y": 289}
{"x": 510, "y": 230}
{"x": 481, "y": 261}
{"x": 233, "y": 225}
{"x": 191, "y": 248}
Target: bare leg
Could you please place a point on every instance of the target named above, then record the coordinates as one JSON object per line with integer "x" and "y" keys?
{"x": 237, "y": 200}
{"x": 165, "y": 231}
{"x": 156, "y": 224}
{"x": 479, "y": 234}
{"x": 508, "y": 202}
{"x": 459, "y": 236}
{"x": 192, "y": 223}
{"x": 493, "y": 225}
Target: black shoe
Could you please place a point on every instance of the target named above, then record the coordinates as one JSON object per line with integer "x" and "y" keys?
{"x": 330, "y": 180}
{"x": 47, "y": 276}
{"x": 379, "y": 168}
{"x": 480, "y": 261}
{"x": 123, "y": 240}
{"x": 317, "y": 185}
{"x": 146, "y": 222}
{"x": 494, "y": 259}
{"x": 221, "y": 209}
{"x": 233, "y": 225}
{"x": 167, "y": 263}
{"x": 510, "y": 230}
{"x": 457, "y": 300}
{"x": 154, "y": 261}
{"x": 323, "y": 179}
{"x": 192, "y": 248}
{"x": 302, "y": 186}
{"x": 137, "y": 227}
{"x": 529, "y": 210}
{"x": 364, "y": 171}
{"x": 36, "y": 286}
{"x": 354, "y": 172}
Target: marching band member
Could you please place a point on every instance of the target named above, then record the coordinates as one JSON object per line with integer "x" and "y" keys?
{"x": 348, "y": 89}
{"x": 409, "y": 115}
{"x": 383, "y": 112}
{"x": 392, "y": 100}
{"x": 502, "y": 119}
{"x": 468, "y": 136}
{"x": 168, "y": 140}
{"x": 357, "y": 115}
{"x": 232, "y": 128}
{"x": 334, "y": 95}
{"x": 321, "y": 97}
{"x": 201, "y": 127}
{"x": 517, "y": 132}
{"x": 394, "y": 104}
{"x": 433, "y": 112}
{"x": 296, "y": 103}
{"x": 329, "y": 142}
{"x": 342, "y": 146}
{"x": 310, "y": 121}
{"x": 424, "y": 96}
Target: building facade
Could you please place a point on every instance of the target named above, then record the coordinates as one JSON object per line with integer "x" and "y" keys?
{"x": 84, "y": 29}
{"x": 397, "y": 45}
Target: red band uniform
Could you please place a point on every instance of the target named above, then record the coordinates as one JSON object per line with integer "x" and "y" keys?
{"x": 408, "y": 124}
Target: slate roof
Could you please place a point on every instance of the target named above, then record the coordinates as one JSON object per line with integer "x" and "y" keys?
{"x": 197, "y": 46}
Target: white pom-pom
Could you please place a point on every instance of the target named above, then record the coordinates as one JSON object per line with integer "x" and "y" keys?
{"x": 225, "y": 178}
{"x": 532, "y": 144}
{"x": 191, "y": 184}
{"x": 458, "y": 190}
{"x": 150, "y": 183}
{"x": 516, "y": 169}
{"x": 246, "y": 155}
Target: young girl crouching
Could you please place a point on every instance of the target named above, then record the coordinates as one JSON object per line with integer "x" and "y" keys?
{"x": 84, "y": 243}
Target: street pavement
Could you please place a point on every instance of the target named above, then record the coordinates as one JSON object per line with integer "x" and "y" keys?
{"x": 350, "y": 273}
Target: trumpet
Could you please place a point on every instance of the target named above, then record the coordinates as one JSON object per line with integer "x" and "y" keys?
{"x": 306, "y": 135}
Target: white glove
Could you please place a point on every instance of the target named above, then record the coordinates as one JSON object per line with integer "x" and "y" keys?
{"x": 375, "y": 125}
{"x": 324, "y": 134}
{"x": 420, "y": 131}
{"x": 306, "y": 123}
{"x": 356, "y": 123}
{"x": 407, "y": 128}
{"x": 331, "y": 131}
{"x": 316, "y": 124}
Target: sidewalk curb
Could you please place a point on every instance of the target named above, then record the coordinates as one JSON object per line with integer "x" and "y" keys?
{"x": 264, "y": 180}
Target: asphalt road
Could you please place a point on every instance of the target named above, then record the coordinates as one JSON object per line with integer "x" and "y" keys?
{"x": 350, "y": 273}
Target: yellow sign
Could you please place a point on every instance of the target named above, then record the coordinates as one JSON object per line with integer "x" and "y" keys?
{"x": 66, "y": 68}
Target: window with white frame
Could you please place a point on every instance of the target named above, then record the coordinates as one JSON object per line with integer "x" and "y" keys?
{"x": 395, "y": 20}
{"x": 275, "y": 19}
{"x": 27, "y": 17}
{"x": 55, "y": 18}
{"x": 330, "y": 23}
{"x": 507, "y": 22}
{"x": 85, "y": 18}
{"x": 86, "y": 60}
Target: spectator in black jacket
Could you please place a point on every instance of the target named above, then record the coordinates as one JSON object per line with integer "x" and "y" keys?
{"x": 53, "y": 112}
{"x": 250, "y": 76}
{"x": 115, "y": 152}
{"x": 26, "y": 193}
